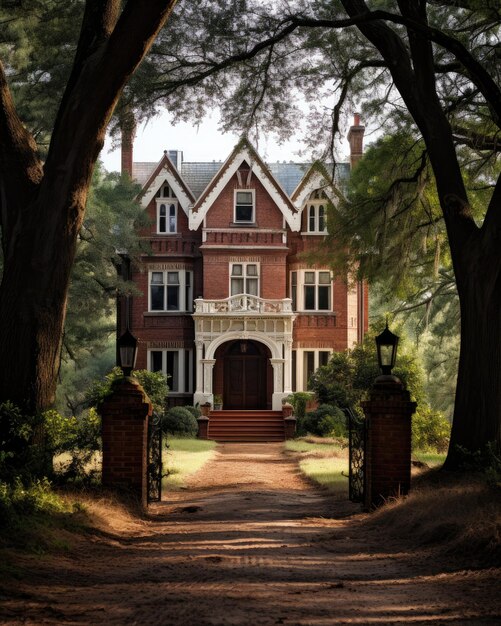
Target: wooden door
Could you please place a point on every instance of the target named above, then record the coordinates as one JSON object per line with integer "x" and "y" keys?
{"x": 244, "y": 381}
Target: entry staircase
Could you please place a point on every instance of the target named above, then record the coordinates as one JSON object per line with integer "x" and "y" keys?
{"x": 251, "y": 426}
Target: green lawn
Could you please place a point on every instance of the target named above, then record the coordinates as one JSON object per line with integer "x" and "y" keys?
{"x": 433, "y": 459}
{"x": 324, "y": 462}
{"x": 184, "y": 457}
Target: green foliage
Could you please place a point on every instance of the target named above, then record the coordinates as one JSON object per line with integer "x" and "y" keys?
{"x": 154, "y": 384}
{"x": 326, "y": 421}
{"x": 23, "y": 448}
{"x": 79, "y": 437}
{"x": 430, "y": 430}
{"x": 346, "y": 380}
{"x": 194, "y": 410}
{"x": 112, "y": 218}
{"x": 180, "y": 421}
{"x": 18, "y": 501}
{"x": 299, "y": 401}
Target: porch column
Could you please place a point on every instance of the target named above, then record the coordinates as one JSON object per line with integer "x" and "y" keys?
{"x": 200, "y": 368}
{"x": 208, "y": 369}
{"x": 278, "y": 384}
{"x": 288, "y": 366}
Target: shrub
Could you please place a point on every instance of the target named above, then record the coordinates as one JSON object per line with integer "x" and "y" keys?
{"x": 430, "y": 430}
{"x": 194, "y": 410}
{"x": 327, "y": 420}
{"x": 179, "y": 420}
{"x": 299, "y": 400}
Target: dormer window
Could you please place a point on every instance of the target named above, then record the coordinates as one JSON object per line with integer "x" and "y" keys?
{"x": 166, "y": 211}
{"x": 316, "y": 212}
{"x": 244, "y": 207}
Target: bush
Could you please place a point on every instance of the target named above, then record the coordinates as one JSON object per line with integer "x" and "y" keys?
{"x": 430, "y": 430}
{"x": 179, "y": 420}
{"x": 327, "y": 420}
{"x": 299, "y": 400}
{"x": 194, "y": 410}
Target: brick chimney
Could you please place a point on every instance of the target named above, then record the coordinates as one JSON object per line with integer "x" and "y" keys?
{"x": 356, "y": 140}
{"x": 128, "y": 134}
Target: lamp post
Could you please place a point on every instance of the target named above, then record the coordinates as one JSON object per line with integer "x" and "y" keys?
{"x": 127, "y": 351}
{"x": 386, "y": 344}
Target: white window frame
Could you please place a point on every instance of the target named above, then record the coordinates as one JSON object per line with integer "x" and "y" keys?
{"x": 253, "y": 218}
{"x": 318, "y": 200}
{"x": 185, "y": 291}
{"x": 301, "y": 373}
{"x": 300, "y": 288}
{"x": 245, "y": 276}
{"x": 184, "y": 382}
{"x": 167, "y": 198}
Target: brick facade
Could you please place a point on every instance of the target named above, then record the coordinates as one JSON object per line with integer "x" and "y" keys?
{"x": 208, "y": 241}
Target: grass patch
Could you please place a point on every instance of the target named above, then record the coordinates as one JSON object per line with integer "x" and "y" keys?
{"x": 432, "y": 459}
{"x": 324, "y": 461}
{"x": 184, "y": 457}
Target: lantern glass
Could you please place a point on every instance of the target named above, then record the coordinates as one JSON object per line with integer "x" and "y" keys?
{"x": 127, "y": 345}
{"x": 386, "y": 344}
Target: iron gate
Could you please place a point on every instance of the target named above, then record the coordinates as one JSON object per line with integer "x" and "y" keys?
{"x": 357, "y": 440}
{"x": 154, "y": 470}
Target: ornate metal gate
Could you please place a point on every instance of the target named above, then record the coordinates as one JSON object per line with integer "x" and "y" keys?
{"x": 357, "y": 440}
{"x": 154, "y": 470}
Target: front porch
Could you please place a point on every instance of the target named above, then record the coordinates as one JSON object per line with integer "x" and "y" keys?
{"x": 243, "y": 318}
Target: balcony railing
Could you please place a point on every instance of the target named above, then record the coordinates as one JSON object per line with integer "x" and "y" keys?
{"x": 244, "y": 303}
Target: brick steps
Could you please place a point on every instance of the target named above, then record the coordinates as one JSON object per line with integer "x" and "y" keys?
{"x": 246, "y": 426}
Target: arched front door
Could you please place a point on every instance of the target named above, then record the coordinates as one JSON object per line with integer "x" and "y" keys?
{"x": 245, "y": 375}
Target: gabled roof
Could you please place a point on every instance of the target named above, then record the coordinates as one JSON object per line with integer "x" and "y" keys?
{"x": 244, "y": 152}
{"x": 165, "y": 172}
{"x": 317, "y": 177}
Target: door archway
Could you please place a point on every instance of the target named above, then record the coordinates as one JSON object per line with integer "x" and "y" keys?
{"x": 244, "y": 375}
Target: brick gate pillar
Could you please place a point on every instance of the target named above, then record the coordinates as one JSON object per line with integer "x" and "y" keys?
{"x": 388, "y": 445}
{"x": 124, "y": 430}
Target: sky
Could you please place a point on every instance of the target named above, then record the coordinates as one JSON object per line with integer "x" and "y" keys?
{"x": 202, "y": 143}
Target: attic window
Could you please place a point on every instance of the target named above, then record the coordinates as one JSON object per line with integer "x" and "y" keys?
{"x": 244, "y": 207}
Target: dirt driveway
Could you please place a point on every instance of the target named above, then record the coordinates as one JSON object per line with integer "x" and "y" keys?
{"x": 250, "y": 542}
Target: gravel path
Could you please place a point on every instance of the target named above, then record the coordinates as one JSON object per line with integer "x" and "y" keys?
{"x": 249, "y": 542}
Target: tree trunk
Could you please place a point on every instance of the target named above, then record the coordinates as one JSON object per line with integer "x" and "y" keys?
{"x": 477, "y": 411}
{"x": 32, "y": 308}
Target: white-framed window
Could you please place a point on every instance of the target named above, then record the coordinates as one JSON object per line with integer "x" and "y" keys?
{"x": 304, "y": 365}
{"x": 171, "y": 290}
{"x": 167, "y": 206}
{"x": 244, "y": 278}
{"x": 316, "y": 207}
{"x": 244, "y": 206}
{"x": 177, "y": 365}
{"x": 311, "y": 290}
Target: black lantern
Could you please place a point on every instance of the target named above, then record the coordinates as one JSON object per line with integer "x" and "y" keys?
{"x": 127, "y": 349}
{"x": 386, "y": 344}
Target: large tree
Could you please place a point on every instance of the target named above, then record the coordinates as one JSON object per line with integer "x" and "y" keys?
{"x": 42, "y": 203}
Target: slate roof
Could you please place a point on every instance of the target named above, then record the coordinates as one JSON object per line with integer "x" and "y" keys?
{"x": 198, "y": 175}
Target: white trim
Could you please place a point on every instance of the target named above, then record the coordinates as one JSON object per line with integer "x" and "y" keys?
{"x": 168, "y": 202}
{"x": 165, "y": 176}
{"x": 181, "y": 368}
{"x": 196, "y": 217}
{"x": 184, "y": 307}
{"x": 253, "y": 193}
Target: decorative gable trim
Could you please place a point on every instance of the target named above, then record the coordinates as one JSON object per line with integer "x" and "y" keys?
{"x": 165, "y": 172}
{"x": 317, "y": 177}
{"x": 244, "y": 152}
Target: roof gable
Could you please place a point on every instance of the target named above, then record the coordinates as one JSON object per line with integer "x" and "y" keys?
{"x": 317, "y": 177}
{"x": 244, "y": 152}
{"x": 165, "y": 172}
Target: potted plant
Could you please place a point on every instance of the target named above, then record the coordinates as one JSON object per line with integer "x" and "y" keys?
{"x": 218, "y": 402}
